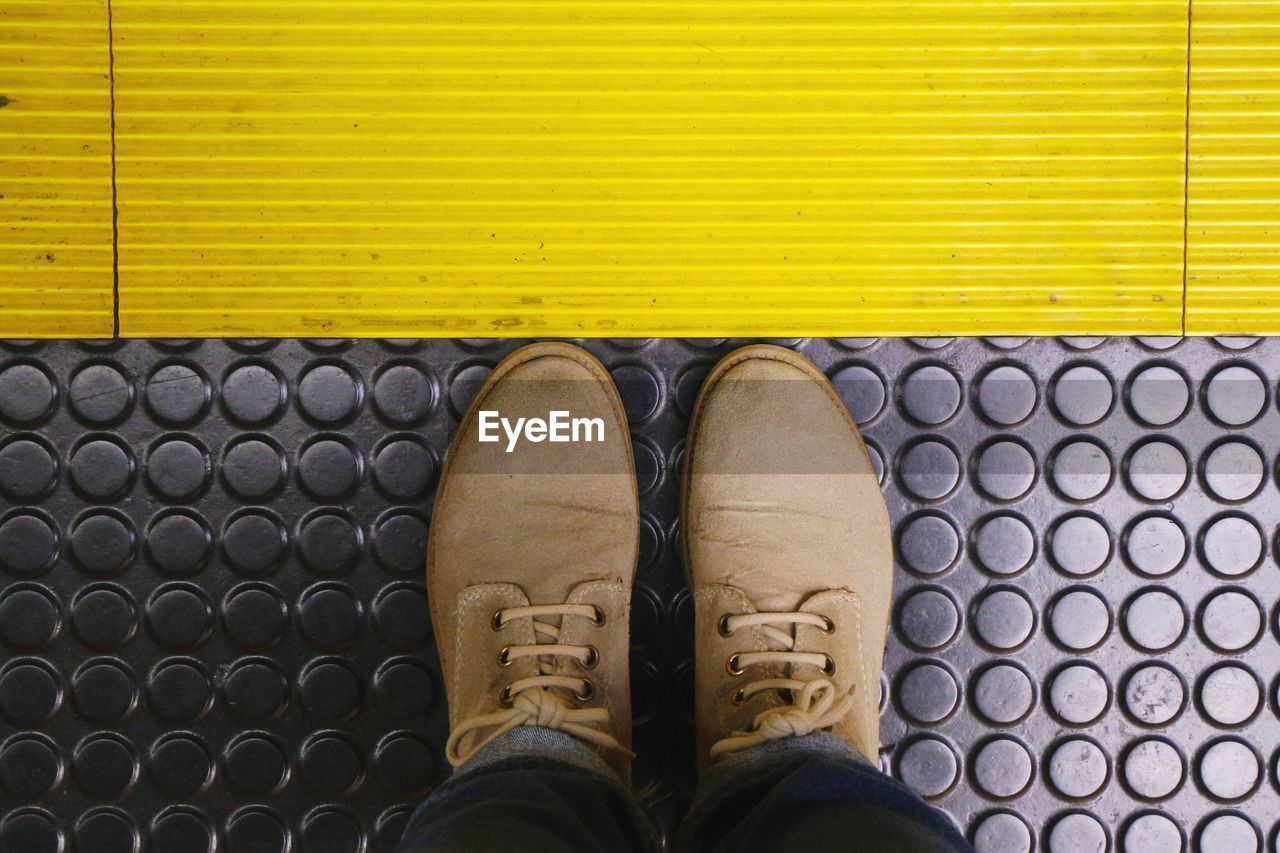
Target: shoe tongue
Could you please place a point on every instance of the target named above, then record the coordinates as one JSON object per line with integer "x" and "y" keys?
{"x": 771, "y": 594}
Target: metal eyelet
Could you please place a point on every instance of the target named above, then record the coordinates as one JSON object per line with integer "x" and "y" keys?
{"x": 830, "y": 666}
{"x": 830, "y": 625}
{"x": 740, "y": 697}
{"x": 731, "y": 666}
{"x": 593, "y": 657}
{"x": 723, "y": 626}
{"x": 504, "y": 656}
{"x": 505, "y": 697}
{"x": 598, "y": 619}
{"x": 588, "y": 690}
{"x": 497, "y": 624}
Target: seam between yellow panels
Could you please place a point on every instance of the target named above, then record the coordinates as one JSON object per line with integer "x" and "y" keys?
{"x": 1186, "y": 172}
{"x": 115, "y": 202}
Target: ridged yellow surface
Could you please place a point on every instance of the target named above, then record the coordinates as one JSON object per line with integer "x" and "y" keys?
{"x": 55, "y": 152}
{"x": 421, "y": 167}
{"x": 1233, "y": 225}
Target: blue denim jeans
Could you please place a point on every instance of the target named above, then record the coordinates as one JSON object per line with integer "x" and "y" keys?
{"x": 539, "y": 789}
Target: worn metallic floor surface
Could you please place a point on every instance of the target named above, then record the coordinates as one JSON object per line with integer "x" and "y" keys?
{"x": 213, "y": 621}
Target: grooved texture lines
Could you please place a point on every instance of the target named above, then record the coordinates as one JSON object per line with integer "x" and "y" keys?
{"x": 55, "y": 189}
{"x": 1233, "y": 239}
{"x": 669, "y": 168}
{"x": 675, "y": 168}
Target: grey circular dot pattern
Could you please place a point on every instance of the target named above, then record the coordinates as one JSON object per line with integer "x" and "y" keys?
{"x": 1003, "y": 693}
{"x": 1078, "y": 694}
{"x": 1153, "y": 769}
{"x": 1077, "y": 768}
{"x": 1153, "y": 833}
{"x": 1005, "y": 470}
{"x": 1235, "y": 395}
{"x": 928, "y": 544}
{"x": 1229, "y": 769}
{"x": 1004, "y": 544}
{"x": 931, "y": 394}
{"x": 1007, "y": 394}
{"x": 1082, "y": 342}
{"x": 1081, "y": 470}
{"x": 1230, "y": 695}
{"x": 1228, "y": 833}
{"x": 1018, "y": 472}
{"x": 1079, "y": 619}
{"x": 1005, "y": 342}
{"x": 1154, "y": 620}
{"x": 1230, "y": 620}
{"x": 1159, "y": 342}
{"x": 1077, "y": 832}
{"x": 1232, "y": 545}
{"x": 1234, "y": 471}
{"x": 928, "y": 693}
{"x": 1154, "y": 695}
{"x": 1003, "y": 618}
{"x": 1081, "y": 544}
{"x": 1236, "y": 342}
{"x": 1002, "y": 768}
{"x": 1002, "y": 832}
{"x": 929, "y": 470}
{"x": 1159, "y": 395}
{"x": 928, "y": 618}
{"x": 1156, "y": 545}
{"x": 929, "y": 766}
{"x": 862, "y": 391}
{"x": 1157, "y": 470}
{"x": 1083, "y": 395}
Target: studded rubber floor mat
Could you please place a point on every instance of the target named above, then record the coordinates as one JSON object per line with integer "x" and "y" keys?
{"x": 213, "y": 623}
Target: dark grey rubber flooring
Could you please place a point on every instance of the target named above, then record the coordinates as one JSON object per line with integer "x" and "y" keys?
{"x": 213, "y": 622}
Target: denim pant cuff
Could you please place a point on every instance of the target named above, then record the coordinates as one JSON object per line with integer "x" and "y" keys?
{"x": 749, "y": 762}
{"x": 536, "y": 788}
{"x": 846, "y": 777}
{"x": 731, "y": 774}
{"x": 530, "y": 785}
{"x": 537, "y": 742}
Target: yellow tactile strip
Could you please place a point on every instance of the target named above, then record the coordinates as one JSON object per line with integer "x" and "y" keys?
{"x": 400, "y": 167}
{"x": 55, "y": 188}
{"x": 397, "y": 167}
{"x": 1233, "y": 214}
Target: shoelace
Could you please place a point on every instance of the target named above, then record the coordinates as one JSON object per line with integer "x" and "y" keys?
{"x": 532, "y": 701}
{"x": 815, "y": 704}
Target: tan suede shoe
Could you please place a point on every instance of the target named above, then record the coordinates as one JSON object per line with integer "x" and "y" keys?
{"x": 790, "y": 557}
{"x": 531, "y": 557}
